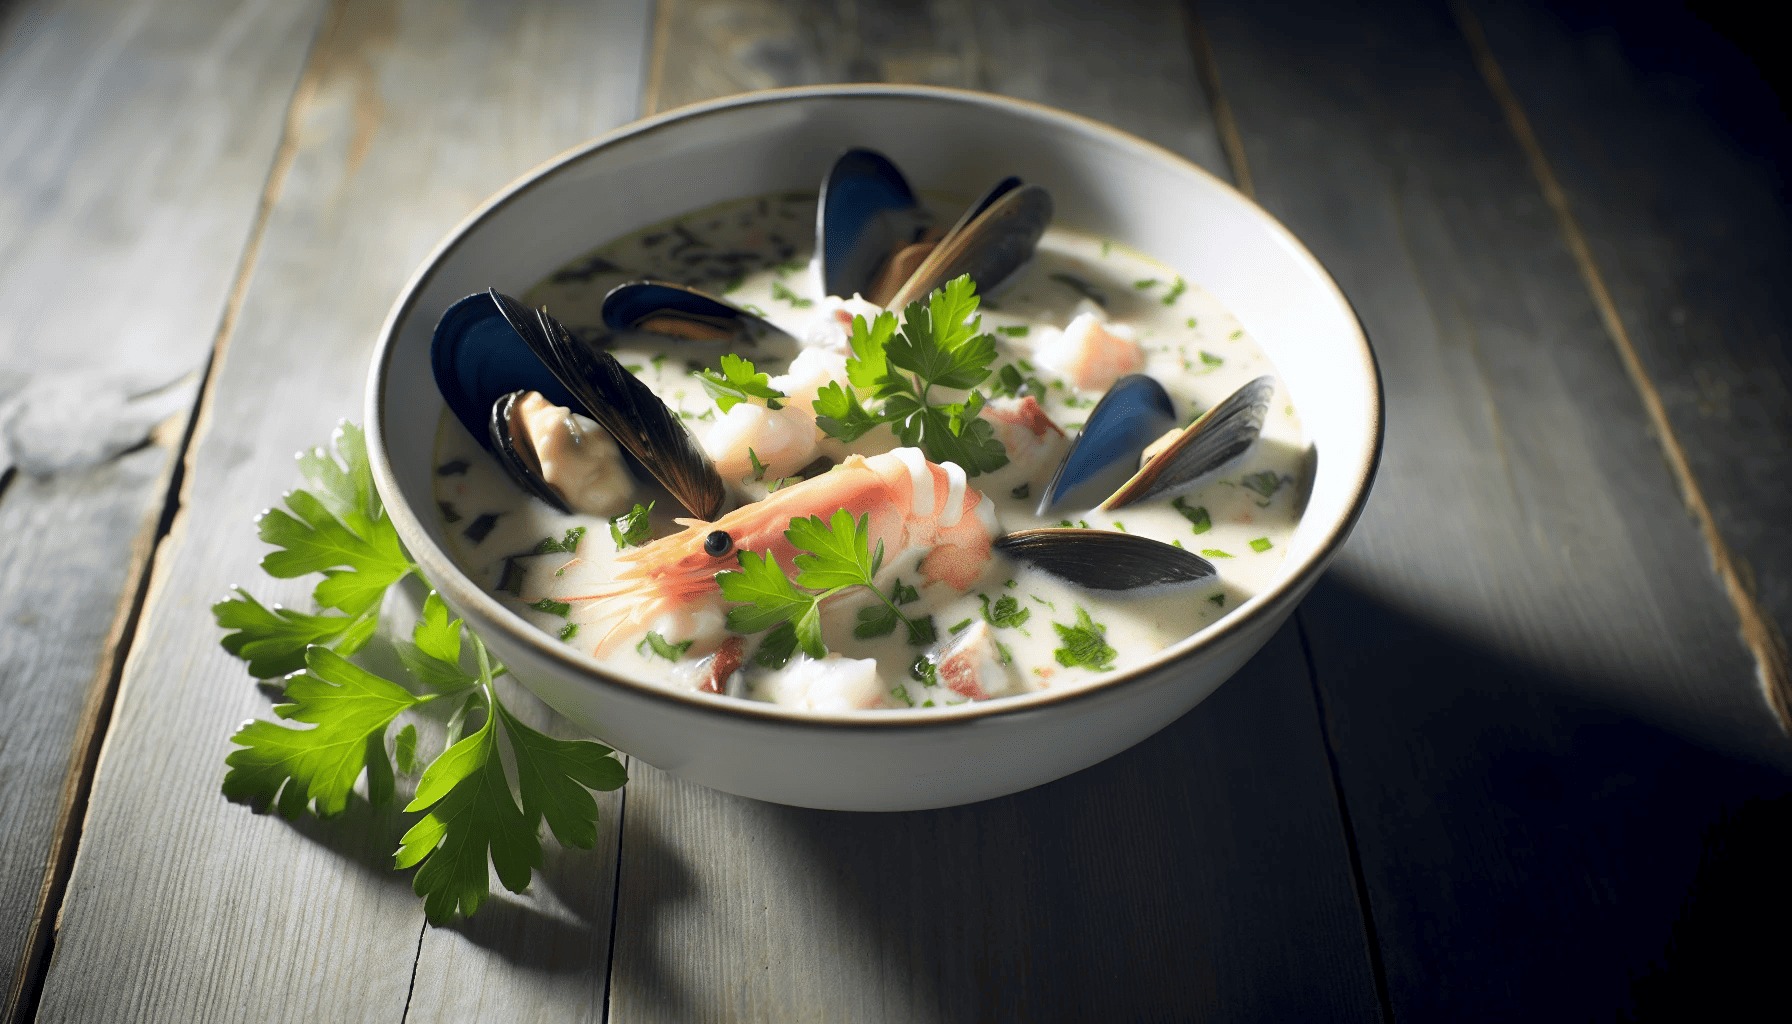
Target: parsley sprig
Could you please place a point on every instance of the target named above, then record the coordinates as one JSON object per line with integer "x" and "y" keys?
{"x": 740, "y": 381}
{"x": 837, "y": 557}
{"x": 338, "y": 528}
{"x": 936, "y": 348}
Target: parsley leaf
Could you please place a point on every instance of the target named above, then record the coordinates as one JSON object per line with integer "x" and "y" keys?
{"x": 273, "y": 640}
{"x": 937, "y": 344}
{"x": 740, "y": 382}
{"x": 836, "y": 556}
{"x": 338, "y": 528}
{"x": 777, "y": 647}
{"x": 840, "y": 415}
{"x": 473, "y": 816}
{"x": 936, "y": 347}
{"x": 782, "y": 293}
{"x": 350, "y": 708}
{"x": 632, "y": 528}
{"x": 1085, "y": 644}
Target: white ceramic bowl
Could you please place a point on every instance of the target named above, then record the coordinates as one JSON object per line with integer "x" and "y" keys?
{"x": 1101, "y": 180}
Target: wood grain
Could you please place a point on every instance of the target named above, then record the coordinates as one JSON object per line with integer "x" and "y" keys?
{"x": 182, "y": 906}
{"x": 1663, "y": 197}
{"x": 139, "y": 138}
{"x": 1202, "y": 874}
{"x": 1548, "y": 731}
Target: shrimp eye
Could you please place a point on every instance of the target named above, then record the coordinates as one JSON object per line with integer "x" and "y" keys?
{"x": 718, "y": 543}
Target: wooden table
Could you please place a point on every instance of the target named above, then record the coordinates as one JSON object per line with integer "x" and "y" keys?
{"x": 1518, "y": 754}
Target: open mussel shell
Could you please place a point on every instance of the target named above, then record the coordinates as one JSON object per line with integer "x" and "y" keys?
{"x": 509, "y": 441}
{"x": 1106, "y": 559}
{"x": 1135, "y": 412}
{"x": 867, "y": 212}
{"x": 673, "y": 310}
{"x": 636, "y": 417}
{"x": 478, "y": 355}
{"x": 1209, "y": 444}
{"x": 996, "y": 240}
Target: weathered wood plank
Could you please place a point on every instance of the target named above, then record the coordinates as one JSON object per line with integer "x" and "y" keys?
{"x": 1203, "y": 873}
{"x": 138, "y": 140}
{"x": 1550, "y": 740}
{"x": 182, "y": 906}
{"x": 1687, "y": 229}
{"x": 1200, "y": 875}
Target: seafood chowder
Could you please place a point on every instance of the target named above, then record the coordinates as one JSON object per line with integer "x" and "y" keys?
{"x": 1059, "y": 460}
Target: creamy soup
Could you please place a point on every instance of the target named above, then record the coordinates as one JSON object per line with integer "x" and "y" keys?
{"x": 1084, "y": 311}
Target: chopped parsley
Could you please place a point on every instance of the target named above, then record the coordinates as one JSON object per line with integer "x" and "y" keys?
{"x": 660, "y": 646}
{"x": 568, "y": 544}
{"x": 632, "y": 528}
{"x": 1210, "y": 359}
{"x": 1021, "y": 493}
{"x": 1006, "y": 612}
{"x": 1017, "y": 331}
{"x": 1085, "y": 644}
{"x": 959, "y": 628}
{"x": 1218, "y": 599}
{"x": 1175, "y": 292}
{"x": 1214, "y": 553}
{"x": 782, "y": 293}
{"x": 901, "y": 694}
{"x": 1265, "y": 483}
{"x": 1144, "y": 283}
{"x": 568, "y": 631}
{"x": 1195, "y": 514}
{"x": 1261, "y": 544}
{"x": 552, "y": 607}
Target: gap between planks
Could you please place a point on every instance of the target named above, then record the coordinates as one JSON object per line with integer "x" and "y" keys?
{"x": 89, "y": 744}
{"x": 1763, "y": 640}
{"x": 1223, "y": 122}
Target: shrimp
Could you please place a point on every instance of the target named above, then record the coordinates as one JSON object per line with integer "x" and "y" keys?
{"x": 913, "y": 504}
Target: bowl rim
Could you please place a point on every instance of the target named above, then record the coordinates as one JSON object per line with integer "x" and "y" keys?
{"x": 446, "y": 575}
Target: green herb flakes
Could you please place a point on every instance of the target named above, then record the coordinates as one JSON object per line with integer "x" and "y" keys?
{"x": 1085, "y": 644}
{"x": 1195, "y": 514}
{"x": 1261, "y": 544}
{"x": 552, "y": 607}
{"x": 632, "y": 528}
{"x": 661, "y": 646}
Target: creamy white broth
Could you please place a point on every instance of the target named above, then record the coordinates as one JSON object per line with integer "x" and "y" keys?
{"x": 755, "y": 252}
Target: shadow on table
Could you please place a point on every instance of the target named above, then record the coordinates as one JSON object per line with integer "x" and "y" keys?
{"x": 1531, "y": 839}
{"x": 1603, "y": 841}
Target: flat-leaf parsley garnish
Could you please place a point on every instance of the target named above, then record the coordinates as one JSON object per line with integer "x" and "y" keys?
{"x": 338, "y": 528}
{"x": 836, "y": 556}
{"x": 936, "y": 348}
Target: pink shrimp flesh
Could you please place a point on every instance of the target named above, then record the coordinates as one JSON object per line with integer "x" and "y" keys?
{"x": 913, "y": 504}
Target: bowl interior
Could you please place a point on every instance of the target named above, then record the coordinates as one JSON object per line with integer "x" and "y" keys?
{"x": 1102, "y": 181}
